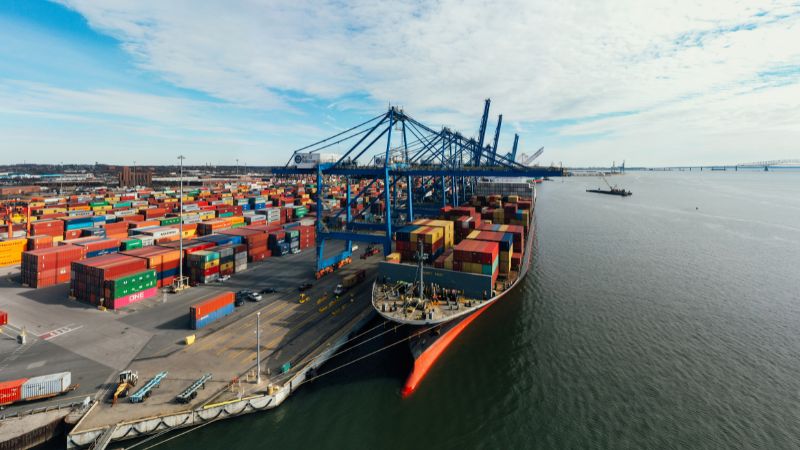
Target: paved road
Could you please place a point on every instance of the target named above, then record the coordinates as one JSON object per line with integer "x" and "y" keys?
{"x": 65, "y": 334}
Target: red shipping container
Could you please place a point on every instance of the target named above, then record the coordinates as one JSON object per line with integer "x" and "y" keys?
{"x": 206, "y": 307}
{"x": 3, "y": 318}
{"x": 11, "y": 391}
{"x": 51, "y": 227}
{"x": 72, "y": 234}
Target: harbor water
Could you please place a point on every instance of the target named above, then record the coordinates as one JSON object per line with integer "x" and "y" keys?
{"x": 668, "y": 319}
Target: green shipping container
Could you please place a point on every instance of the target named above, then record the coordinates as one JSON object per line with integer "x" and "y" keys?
{"x": 131, "y": 284}
{"x": 204, "y": 256}
{"x": 100, "y": 203}
{"x": 226, "y": 214}
{"x": 170, "y": 221}
{"x": 122, "y": 205}
{"x": 237, "y": 225}
{"x": 130, "y": 244}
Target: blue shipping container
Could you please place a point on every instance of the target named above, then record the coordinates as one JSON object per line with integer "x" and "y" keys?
{"x": 210, "y": 317}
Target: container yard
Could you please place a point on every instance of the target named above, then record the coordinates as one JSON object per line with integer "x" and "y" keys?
{"x": 170, "y": 306}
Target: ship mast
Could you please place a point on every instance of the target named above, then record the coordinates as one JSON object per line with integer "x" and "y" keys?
{"x": 420, "y": 258}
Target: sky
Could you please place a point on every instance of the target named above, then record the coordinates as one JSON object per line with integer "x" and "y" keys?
{"x": 593, "y": 82}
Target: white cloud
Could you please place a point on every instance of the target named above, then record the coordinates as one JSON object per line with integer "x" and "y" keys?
{"x": 684, "y": 64}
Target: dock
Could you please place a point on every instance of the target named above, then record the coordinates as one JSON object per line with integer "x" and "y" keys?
{"x": 297, "y": 334}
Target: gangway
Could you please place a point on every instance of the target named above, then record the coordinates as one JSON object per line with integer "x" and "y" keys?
{"x": 145, "y": 391}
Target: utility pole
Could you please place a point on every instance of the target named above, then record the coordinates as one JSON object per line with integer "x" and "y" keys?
{"x": 258, "y": 347}
{"x": 180, "y": 226}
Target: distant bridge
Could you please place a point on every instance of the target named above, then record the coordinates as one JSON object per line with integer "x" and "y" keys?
{"x": 776, "y": 162}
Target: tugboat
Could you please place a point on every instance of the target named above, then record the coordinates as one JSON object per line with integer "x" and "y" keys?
{"x": 611, "y": 190}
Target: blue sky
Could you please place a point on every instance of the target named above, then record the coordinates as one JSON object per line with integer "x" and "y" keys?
{"x": 144, "y": 80}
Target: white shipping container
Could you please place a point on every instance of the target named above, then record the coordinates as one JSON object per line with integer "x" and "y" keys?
{"x": 125, "y": 212}
{"x": 46, "y": 385}
{"x": 146, "y": 240}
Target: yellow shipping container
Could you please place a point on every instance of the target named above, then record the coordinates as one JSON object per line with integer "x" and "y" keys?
{"x": 80, "y": 208}
{"x": 235, "y": 219}
{"x": 505, "y": 262}
{"x": 11, "y": 251}
{"x": 393, "y": 257}
{"x": 211, "y": 264}
{"x": 447, "y": 227}
{"x": 448, "y": 262}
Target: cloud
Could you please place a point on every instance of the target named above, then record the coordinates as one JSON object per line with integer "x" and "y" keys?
{"x": 682, "y": 63}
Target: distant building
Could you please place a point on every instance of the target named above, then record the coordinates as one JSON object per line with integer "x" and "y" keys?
{"x": 18, "y": 190}
{"x": 142, "y": 177}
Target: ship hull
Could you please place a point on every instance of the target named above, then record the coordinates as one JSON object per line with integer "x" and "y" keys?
{"x": 428, "y": 343}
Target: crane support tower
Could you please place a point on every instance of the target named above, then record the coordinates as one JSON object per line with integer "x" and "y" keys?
{"x": 415, "y": 168}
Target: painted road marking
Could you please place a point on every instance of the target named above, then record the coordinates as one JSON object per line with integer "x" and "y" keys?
{"x": 59, "y": 332}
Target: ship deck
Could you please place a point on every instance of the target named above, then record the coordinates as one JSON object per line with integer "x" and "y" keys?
{"x": 394, "y": 302}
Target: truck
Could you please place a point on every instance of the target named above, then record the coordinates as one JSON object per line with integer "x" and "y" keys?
{"x": 350, "y": 281}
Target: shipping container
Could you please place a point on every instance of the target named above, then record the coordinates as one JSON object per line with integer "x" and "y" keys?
{"x": 46, "y": 386}
{"x": 11, "y": 391}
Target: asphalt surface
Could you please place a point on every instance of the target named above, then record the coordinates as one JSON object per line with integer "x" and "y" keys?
{"x": 66, "y": 335}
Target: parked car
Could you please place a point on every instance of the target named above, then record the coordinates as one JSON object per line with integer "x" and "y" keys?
{"x": 304, "y": 287}
{"x": 254, "y": 296}
{"x": 269, "y": 290}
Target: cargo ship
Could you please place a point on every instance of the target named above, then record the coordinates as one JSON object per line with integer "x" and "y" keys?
{"x": 447, "y": 272}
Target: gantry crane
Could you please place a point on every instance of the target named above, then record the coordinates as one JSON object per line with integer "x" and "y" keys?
{"x": 439, "y": 167}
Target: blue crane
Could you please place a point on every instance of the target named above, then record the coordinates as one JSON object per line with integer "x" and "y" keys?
{"x": 438, "y": 167}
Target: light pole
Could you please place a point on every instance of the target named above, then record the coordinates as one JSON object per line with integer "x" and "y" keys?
{"x": 134, "y": 175}
{"x": 61, "y": 180}
{"x": 258, "y": 347}
{"x": 180, "y": 226}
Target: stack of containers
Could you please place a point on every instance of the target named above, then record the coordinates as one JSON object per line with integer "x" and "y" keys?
{"x": 203, "y": 266}
{"x": 207, "y": 311}
{"x": 273, "y": 215}
{"x": 39, "y": 241}
{"x": 164, "y": 261}
{"x": 277, "y": 243}
{"x": 123, "y": 290}
{"x": 11, "y": 251}
{"x": 49, "y": 266}
{"x": 505, "y": 242}
{"x": 240, "y": 258}
{"x": 211, "y": 226}
{"x": 407, "y": 242}
{"x": 48, "y": 227}
{"x": 87, "y": 281}
{"x": 117, "y": 230}
{"x": 292, "y": 237}
{"x": 445, "y": 260}
{"x": 479, "y": 257}
{"x": 159, "y": 234}
{"x": 447, "y": 226}
{"x": 465, "y": 219}
{"x": 96, "y": 246}
{"x": 307, "y": 236}
{"x": 130, "y": 244}
{"x": 226, "y": 259}
{"x": 255, "y": 241}
{"x": 255, "y": 219}
{"x": 257, "y": 203}
{"x": 222, "y": 239}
